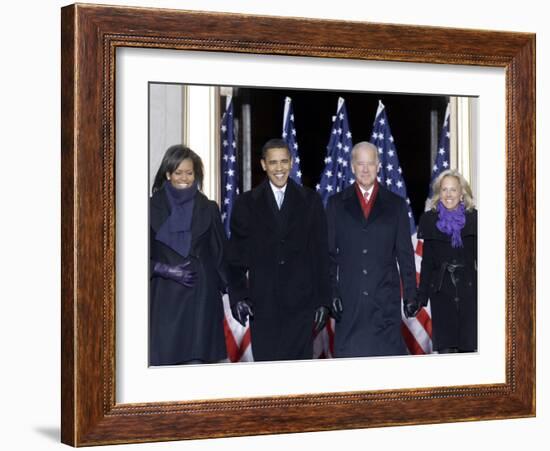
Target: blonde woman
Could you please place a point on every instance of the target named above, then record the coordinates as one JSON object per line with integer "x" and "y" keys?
{"x": 448, "y": 276}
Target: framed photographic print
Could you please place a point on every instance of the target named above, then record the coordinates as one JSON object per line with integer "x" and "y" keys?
{"x": 136, "y": 81}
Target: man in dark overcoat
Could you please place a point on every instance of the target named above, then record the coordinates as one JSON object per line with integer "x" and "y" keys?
{"x": 371, "y": 256}
{"x": 278, "y": 255}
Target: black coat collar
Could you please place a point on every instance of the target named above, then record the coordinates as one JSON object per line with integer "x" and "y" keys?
{"x": 283, "y": 220}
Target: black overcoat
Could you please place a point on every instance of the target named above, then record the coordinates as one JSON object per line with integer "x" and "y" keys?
{"x": 286, "y": 256}
{"x": 187, "y": 323}
{"x": 454, "y": 310}
{"x": 364, "y": 259}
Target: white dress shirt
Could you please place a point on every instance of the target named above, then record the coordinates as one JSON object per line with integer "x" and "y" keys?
{"x": 279, "y": 194}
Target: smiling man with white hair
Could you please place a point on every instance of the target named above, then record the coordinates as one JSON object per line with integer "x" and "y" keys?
{"x": 371, "y": 257}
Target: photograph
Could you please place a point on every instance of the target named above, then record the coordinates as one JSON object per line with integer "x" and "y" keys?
{"x": 371, "y": 252}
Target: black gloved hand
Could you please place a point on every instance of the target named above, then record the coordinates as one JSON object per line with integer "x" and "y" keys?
{"x": 241, "y": 311}
{"x": 320, "y": 320}
{"x": 178, "y": 273}
{"x": 410, "y": 307}
{"x": 336, "y": 309}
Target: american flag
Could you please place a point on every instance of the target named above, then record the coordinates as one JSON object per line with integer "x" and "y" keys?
{"x": 442, "y": 159}
{"x": 390, "y": 174}
{"x": 337, "y": 174}
{"x": 417, "y": 331}
{"x": 237, "y": 337}
{"x": 289, "y": 135}
{"x": 229, "y": 167}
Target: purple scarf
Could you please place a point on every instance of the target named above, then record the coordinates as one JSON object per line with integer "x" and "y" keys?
{"x": 451, "y": 222}
{"x": 175, "y": 232}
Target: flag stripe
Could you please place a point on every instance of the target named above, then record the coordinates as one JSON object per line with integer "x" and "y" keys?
{"x": 425, "y": 319}
{"x": 230, "y": 342}
{"x": 411, "y": 341}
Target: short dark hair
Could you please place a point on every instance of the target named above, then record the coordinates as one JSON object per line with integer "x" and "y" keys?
{"x": 173, "y": 157}
{"x": 275, "y": 143}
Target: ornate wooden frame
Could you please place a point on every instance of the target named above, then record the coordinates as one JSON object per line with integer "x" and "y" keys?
{"x": 90, "y": 36}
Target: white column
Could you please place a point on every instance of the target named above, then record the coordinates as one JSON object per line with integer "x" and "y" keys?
{"x": 465, "y": 138}
{"x": 202, "y": 133}
{"x": 165, "y": 122}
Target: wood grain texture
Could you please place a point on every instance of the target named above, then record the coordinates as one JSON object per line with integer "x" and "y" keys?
{"x": 68, "y": 239}
{"x": 90, "y": 36}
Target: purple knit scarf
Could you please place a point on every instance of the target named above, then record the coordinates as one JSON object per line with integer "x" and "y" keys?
{"x": 451, "y": 222}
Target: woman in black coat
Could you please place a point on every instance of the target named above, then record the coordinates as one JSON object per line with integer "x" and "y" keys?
{"x": 186, "y": 265}
{"x": 448, "y": 276}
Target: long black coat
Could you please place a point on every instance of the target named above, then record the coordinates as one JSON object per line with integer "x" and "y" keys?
{"x": 285, "y": 253}
{"x": 454, "y": 322}
{"x": 187, "y": 323}
{"x": 364, "y": 255}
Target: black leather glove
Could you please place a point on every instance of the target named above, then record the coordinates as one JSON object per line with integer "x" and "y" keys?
{"x": 410, "y": 307}
{"x": 241, "y": 311}
{"x": 178, "y": 273}
{"x": 422, "y": 302}
{"x": 336, "y": 309}
{"x": 320, "y": 320}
